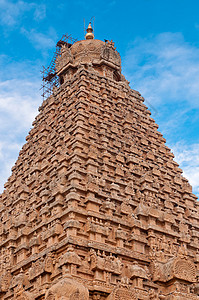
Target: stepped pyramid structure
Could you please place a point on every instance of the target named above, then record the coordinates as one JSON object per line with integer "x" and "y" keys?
{"x": 96, "y": 207}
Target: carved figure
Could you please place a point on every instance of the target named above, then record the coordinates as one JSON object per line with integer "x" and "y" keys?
{"x": 5, "y": 280}
{"x": 122, "y": 294}
{"x": 174, "y": 268}
{"x": 67, "y": 289}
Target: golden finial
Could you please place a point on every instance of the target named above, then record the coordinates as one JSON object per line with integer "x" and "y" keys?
{"x": 89, "y": 35}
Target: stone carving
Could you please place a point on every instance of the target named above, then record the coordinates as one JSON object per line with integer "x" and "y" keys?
{"x": 95, "y": 193}
{"x": 105, "y": 263}
{"x": 122, "y": 293}
{"x": 153, "y": 295}
{"x": 175, "y": 268}
{"x": 162, "y": 249}
{"x": 96, "y": 226}
{"x": 5, "y": 280}
{"x": 64, "y": 58}
{"x": 196, "y": 289}
{"x": 19, "y": 280}
{"x": 24, "y": 296}
{"x": 137, "y": 271}
{"x": 184, "y": 269}
{"x": 70, "y": 257}
{"x": 37, "y": 268}
{"x": 109, "y": 53}
{"x": 67, "y": 289}
{"x": 49, "y": 263}
{"x": 5, "y": 258}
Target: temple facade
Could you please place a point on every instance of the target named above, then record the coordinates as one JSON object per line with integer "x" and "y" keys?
{"x": 96, "y": 207}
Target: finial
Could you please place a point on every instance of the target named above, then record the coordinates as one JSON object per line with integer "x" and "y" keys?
{"x": 89, "y": 35}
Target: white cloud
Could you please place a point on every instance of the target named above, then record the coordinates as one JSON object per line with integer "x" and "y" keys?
{"x": 188, "y": 158}
{"x": 19, "y": 101}
{"x": 40, "y": 40}
{"x": 18, "y": 108}
{"x": 8, "y": 155}
{"x": 40, "y": 12}
{"x": 11, "y": 12}
{"x": 165, "y": 68}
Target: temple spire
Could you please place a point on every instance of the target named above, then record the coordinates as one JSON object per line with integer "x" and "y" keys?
{"x": 89, "y": 35}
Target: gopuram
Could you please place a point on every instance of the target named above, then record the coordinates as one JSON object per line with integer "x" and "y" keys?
{"x": 96, "y": 208}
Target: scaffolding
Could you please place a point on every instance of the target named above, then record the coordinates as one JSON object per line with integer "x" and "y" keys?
{"x": 49, "y": 74}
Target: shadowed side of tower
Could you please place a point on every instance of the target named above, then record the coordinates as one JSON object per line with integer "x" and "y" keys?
{"x": 96, "y": 207}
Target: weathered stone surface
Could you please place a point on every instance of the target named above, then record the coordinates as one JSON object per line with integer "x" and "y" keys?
{"x": 175, "y": 268}
{"x": 96, "y": 194}
{"x": 122, "y": 294}
{"x": 67, "y": 289}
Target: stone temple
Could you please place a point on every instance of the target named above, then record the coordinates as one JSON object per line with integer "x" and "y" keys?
{"x": 96, "y": 207}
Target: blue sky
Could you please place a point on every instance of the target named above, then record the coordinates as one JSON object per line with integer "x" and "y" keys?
{"x": 159, "y": 45}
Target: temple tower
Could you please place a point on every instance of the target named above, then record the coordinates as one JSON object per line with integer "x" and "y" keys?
{"x": 96, "y": 207}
